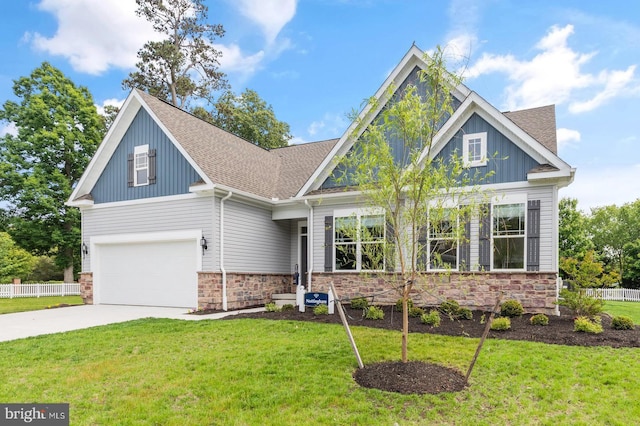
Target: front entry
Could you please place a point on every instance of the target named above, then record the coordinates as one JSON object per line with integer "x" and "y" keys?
{"x": 303, "y": 253}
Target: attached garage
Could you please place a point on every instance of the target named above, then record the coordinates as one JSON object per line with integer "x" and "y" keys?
{"x": 147, "y": 269}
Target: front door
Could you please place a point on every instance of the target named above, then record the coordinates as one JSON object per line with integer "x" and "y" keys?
{"x": 303, "y": 252}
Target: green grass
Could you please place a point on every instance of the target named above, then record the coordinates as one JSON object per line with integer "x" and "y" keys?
{"x": 260, "y": 372}
{"x": 22, "y": 304}
{"x": 630, "y": 309}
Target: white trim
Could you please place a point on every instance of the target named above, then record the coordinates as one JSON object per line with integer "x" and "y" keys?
{"x": 150, "y": 200}
{"x": 358, "y": 213}
{"x": 505, "y": 200}
{"x": 300, "y": 234}
{"x": 466, "y": 141}
{"x": 140, "y": 150}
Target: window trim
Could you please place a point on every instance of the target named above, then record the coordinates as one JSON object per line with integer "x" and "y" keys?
{"x": 466, "y": 140}
{"x": 452, "y": 238}
{"x": 507, "y": 201}
{"x": 358, "y": 214}
{"x": 140, "y": 150}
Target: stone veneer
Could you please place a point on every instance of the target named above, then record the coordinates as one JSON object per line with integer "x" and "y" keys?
{"x": 86, "y": 287}
{"x": 243, "y": 289}
{"x": 475, "y": 290}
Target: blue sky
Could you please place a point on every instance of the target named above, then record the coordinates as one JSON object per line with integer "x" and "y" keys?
{"x": 315, "y": 61}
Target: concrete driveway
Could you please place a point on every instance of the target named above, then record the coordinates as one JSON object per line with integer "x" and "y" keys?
{"x": 48, "y": 321}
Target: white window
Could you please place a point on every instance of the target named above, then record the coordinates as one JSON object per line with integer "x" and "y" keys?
{"x": 474, "y": 149}
{"x": 443, "y": 243}
{"x": 359, "y": 242}
{"x": 508, "y": 236}
{"x": 141, "y": 165}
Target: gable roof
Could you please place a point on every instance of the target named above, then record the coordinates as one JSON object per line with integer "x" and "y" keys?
{"x": 219, "y": 157}
{"x": 532, "y": 130}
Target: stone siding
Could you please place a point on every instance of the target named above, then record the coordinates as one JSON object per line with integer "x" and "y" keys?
{"x": 475, "y": 290}
{"x": 86, "y": 287}
{"x": 244, "y": 290}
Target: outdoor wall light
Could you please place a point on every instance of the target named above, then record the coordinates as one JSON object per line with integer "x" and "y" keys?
{"x": 85, "y": 250}
{"x": 203, "y": 243}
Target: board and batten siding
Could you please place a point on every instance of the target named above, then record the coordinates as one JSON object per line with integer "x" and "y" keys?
{"x": 253, "y": 241}
{"x": 511, "y": 164}
{"x": 174, "y": 174}
{"x": 160, "y": 216}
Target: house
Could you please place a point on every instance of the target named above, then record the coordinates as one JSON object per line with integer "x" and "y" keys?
{"x": 177, "y": 212}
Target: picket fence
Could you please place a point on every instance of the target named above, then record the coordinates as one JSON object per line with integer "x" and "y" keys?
{"x": 620, "y": 294}
{"x": 9, "y": 291}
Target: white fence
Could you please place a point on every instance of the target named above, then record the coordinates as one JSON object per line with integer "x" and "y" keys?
{"x": 9, "y": 291}
{"x": 621, "y": 294}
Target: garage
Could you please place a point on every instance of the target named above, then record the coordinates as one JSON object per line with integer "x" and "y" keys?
{"x": 147, "y": 273}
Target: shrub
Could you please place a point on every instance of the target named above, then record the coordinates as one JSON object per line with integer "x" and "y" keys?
{"x": 415, "y": 312}
{"x": 288, "y": 307}
{"x": 450, "y": 307}
{"x": 321, "y": 310}
{"x": 432, "y": 318}
{"x": 359, "y": 303}
{"x": 587, "y": 325}
{"x": 374, "y": 313}
{"x": 622, "y": 322}
{"x": 399, "y": 305}
{"x": 539, "y": 319}
{"x": 580, "y": 303}
{"x": 501, "y": 324}
{"x": 465, "y": 314}
{"x": 272, "y": 307}
{"x": 511, "y": 308}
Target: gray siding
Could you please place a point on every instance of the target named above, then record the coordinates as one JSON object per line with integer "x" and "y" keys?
{"x": 174, "y": 173}
{"x": 192, "y": 213}
{"x": 253, "y": 241}
{"x": 510, "y": 164}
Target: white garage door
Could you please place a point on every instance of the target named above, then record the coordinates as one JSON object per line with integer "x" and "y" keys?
{"x": 158, "y": 273}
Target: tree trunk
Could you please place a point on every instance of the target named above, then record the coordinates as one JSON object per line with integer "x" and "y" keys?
{"x": 68, "y": 274}
{"x": 405, "y": 321}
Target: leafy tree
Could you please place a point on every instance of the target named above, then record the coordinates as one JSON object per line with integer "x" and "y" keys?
{"x": 15, "y": 262}
{"x": 185, "y": 64}
{"x": 109, "y": 116}
{"x": 574, "y": 239}
{"x": 45, "y": 270}
{"x": 412, "y": 188}
{"x": 250, "y": 117}
{"x": 631, "y": 278}
{"x": 59, "y": 130}
{"x": 588, "y": 272}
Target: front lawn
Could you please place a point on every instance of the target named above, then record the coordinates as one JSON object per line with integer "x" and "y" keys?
{"x": 22, "y": 304}
{"x": 246, "y": 372}
{"x": 630, "y": 309}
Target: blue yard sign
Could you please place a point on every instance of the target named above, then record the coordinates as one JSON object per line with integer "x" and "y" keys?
{"x": 315, "y": 299}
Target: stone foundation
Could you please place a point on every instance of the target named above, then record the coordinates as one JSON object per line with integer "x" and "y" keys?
{"x": 244, "y": 290}
{"x": 86, "y": 287}
{"x": 475, "y": 290}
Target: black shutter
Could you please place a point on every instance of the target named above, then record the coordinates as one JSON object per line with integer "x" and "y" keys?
{"x": 130, "y": 169}
{"x": 533, "y": 235}
{"x": 328, "y": 243}
{"x": 484, "y": 259}
{"x": 465, "y": 244}
{"x": 152, "y": 166}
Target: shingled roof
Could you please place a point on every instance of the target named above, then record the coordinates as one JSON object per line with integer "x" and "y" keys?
{"x": 236, "y": 163}
{"x": 539, "y": 123}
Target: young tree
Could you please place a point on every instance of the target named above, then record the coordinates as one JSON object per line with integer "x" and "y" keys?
{"x": 574, "y": 240}
{"x": 250, "y": 117}
{"x": 15, "y": 262}
{"x": 185, "y": 64}
{"x": 59, "y": 130}
{"x": 392, "y": 164}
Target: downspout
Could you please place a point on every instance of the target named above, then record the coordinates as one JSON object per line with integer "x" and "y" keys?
{"x": 224, "y": 272}
{"x": 309, "y": 244}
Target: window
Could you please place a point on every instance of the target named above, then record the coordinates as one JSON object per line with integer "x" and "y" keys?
{"x": 359, "y": 242}
{"x": 474, "y": 149}
{"x": 443, "y": 244}
{"x": 508, "y": 236}
{"x": 141, "y": 165}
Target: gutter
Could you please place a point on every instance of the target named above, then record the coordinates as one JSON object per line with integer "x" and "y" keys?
{"x": 224, "y": 272}
{"x": 309, "y": 244}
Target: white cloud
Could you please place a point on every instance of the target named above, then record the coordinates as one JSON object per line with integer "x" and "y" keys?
{"x": 595, "y": 187}
{"x": 233, "y": 60}
{"x": 94, "y": 35}
{"x": 9, "y": 129}
{"x": 270, "y": 15}
{"x": 461, "y": 39}
{"x": 112, "y": 102}
{"x": 330, "y": 126}
{"x": 567, "y": 137}
{"x": 554, "y": 75}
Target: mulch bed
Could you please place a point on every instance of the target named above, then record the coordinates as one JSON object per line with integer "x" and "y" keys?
{"x": 422, "y": 377}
